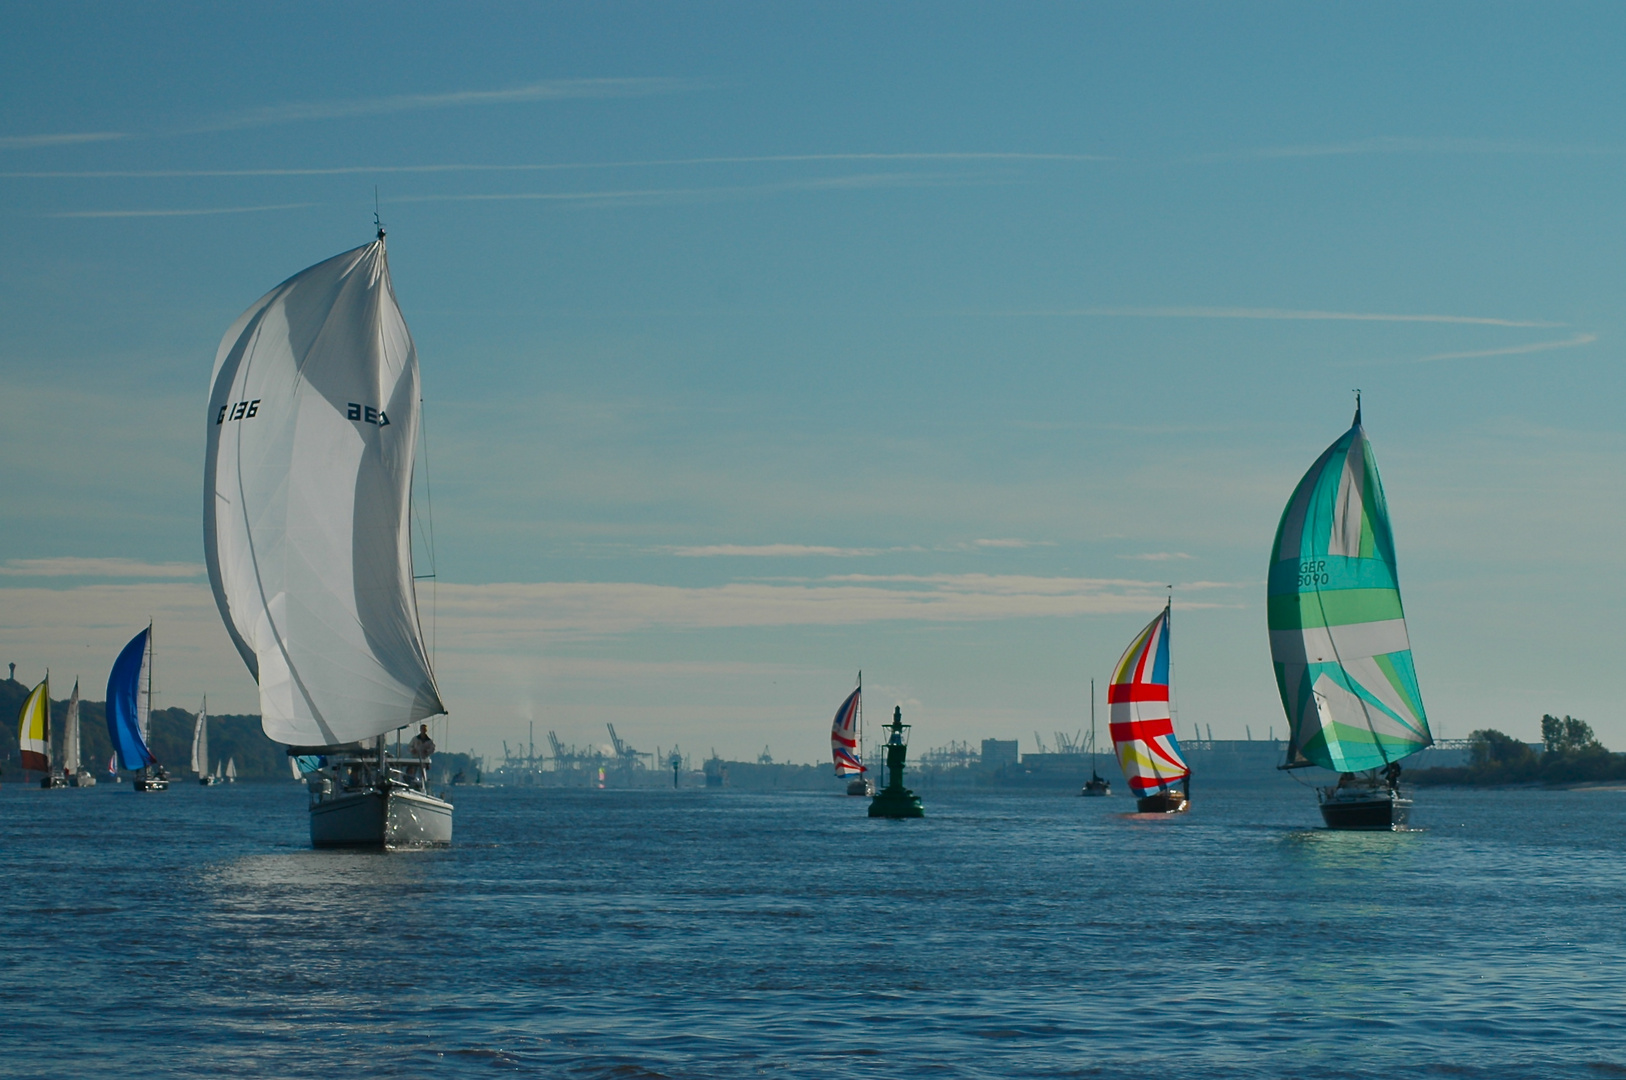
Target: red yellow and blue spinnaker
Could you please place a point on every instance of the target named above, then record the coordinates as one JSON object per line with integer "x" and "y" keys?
{"x": 1141, "y": 725}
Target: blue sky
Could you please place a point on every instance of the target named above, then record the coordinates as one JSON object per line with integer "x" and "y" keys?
{"x": 766, "y": 342}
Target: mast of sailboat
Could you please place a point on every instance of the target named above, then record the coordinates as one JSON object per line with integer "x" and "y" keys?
{"x": 860, "y": 715}
{"x": 1093, "y": 771}
{"x": 146, "y": 735}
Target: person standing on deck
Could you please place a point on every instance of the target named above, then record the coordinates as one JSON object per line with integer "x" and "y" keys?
{"x": 422, "y": 747}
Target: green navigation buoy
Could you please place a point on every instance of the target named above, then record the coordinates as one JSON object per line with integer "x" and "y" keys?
{"x": 895, "y": 800}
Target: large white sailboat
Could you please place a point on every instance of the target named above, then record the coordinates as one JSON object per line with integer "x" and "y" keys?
{"x": 313, "y": 419}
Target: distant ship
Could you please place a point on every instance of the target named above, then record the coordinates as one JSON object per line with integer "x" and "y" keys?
{"x": 847, "y": 742}
{"x": 1142, "y": 726}
{"x": 1338, "y": 638}
{"x": 312, "y": 426}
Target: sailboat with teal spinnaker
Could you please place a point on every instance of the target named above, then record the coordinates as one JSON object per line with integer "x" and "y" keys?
{"x": 1338, "y": 638}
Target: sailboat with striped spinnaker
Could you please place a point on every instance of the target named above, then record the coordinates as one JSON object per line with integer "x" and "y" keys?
{"x": 1142, "y": 724}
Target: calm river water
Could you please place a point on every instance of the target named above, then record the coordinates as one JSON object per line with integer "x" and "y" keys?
{"x": 719, "y": 934}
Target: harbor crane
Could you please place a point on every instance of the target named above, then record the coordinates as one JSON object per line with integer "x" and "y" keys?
{"x": 626, "y": 756}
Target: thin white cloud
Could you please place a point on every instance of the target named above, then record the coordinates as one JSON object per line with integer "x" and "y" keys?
{"x": 507, "y": 616}
{"x": 1011, "y": 543}
{"x": 197, "y": 211}
{"x": 304, "y": 111}
{"x": 649, "y": 196}
{"x": 70, "y": 138}
{"x": 1389, "y": 144}
{"x": 771, "y": 551}
{"x": 1275, "y": 314}
{"x": 549, "y": 90}
{"x": 1514, "y": 350}
{"x": 1157, "y": 556}
{"x": 563, "y": 166}
{"x": 67, "y": 566}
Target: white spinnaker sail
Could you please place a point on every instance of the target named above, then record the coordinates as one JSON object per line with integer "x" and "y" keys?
{"x": 313, "y": 415}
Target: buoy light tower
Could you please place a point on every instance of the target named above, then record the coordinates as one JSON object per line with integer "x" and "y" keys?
{"x": 895, "y": 800}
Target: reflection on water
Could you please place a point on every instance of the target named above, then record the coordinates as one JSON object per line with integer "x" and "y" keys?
{"x": 715, "y": 934}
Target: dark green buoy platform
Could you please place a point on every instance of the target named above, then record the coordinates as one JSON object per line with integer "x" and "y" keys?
{"x": 895, "y": 800}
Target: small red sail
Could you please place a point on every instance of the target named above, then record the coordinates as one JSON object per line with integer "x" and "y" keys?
{"x": 844, "y": 746}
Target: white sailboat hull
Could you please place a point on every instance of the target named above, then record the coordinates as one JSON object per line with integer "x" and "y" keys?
{"x": 392, "y": 818}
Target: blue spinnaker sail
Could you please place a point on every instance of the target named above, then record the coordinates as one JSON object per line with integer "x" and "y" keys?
{"x": 127, "y": 703}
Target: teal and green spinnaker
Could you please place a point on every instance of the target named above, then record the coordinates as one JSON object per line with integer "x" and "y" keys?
{"x": 1337, "y": 629}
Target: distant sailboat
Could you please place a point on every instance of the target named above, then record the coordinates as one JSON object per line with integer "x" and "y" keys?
{"x": 34, "y": 730}
{"x": 129, "y": 707}
{"x": 313, "y": 420}
{"x": 72, "y": 754}
{"x": 847, "y": 742}
{"x": 231, "y": 770}
{"x": 200, "y": 745}
{"x": 1142, "y": 727}
{"x": 1338, "y": 638}
{"x": 1097, "y": 786}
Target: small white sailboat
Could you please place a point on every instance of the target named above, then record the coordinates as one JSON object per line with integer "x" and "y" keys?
{"x": 200, "y": 746}
{"x": 72, "y": 754}
{"x": 231, "y": 770}
{"x": 1097, "y": 786}
{"x": 129, "y": 708}
{"x": 847, "y": 742}
{"x": 312, "y": 425}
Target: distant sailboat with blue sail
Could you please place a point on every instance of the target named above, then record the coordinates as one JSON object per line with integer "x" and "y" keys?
{"x": 129, "y": 708}
{"x": 1338, "y": 638}
{"x": 1142, "y": 725}
{"x": 847, "y": 742}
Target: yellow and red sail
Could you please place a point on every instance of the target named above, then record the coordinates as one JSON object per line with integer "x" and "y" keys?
{"x": 1141, "y": 724}
{"x": 34, "y": 728}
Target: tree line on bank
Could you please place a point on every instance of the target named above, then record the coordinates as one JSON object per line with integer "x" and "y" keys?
{"x": 231, "y": 737}
{"x": 1570, "y": 754}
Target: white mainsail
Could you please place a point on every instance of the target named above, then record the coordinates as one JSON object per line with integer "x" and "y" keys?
{"x": 70, "y": 733}
{"x": 231, "y": 769}
{"x": 313, "y": 416}
{"x": 200, "y": 740}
